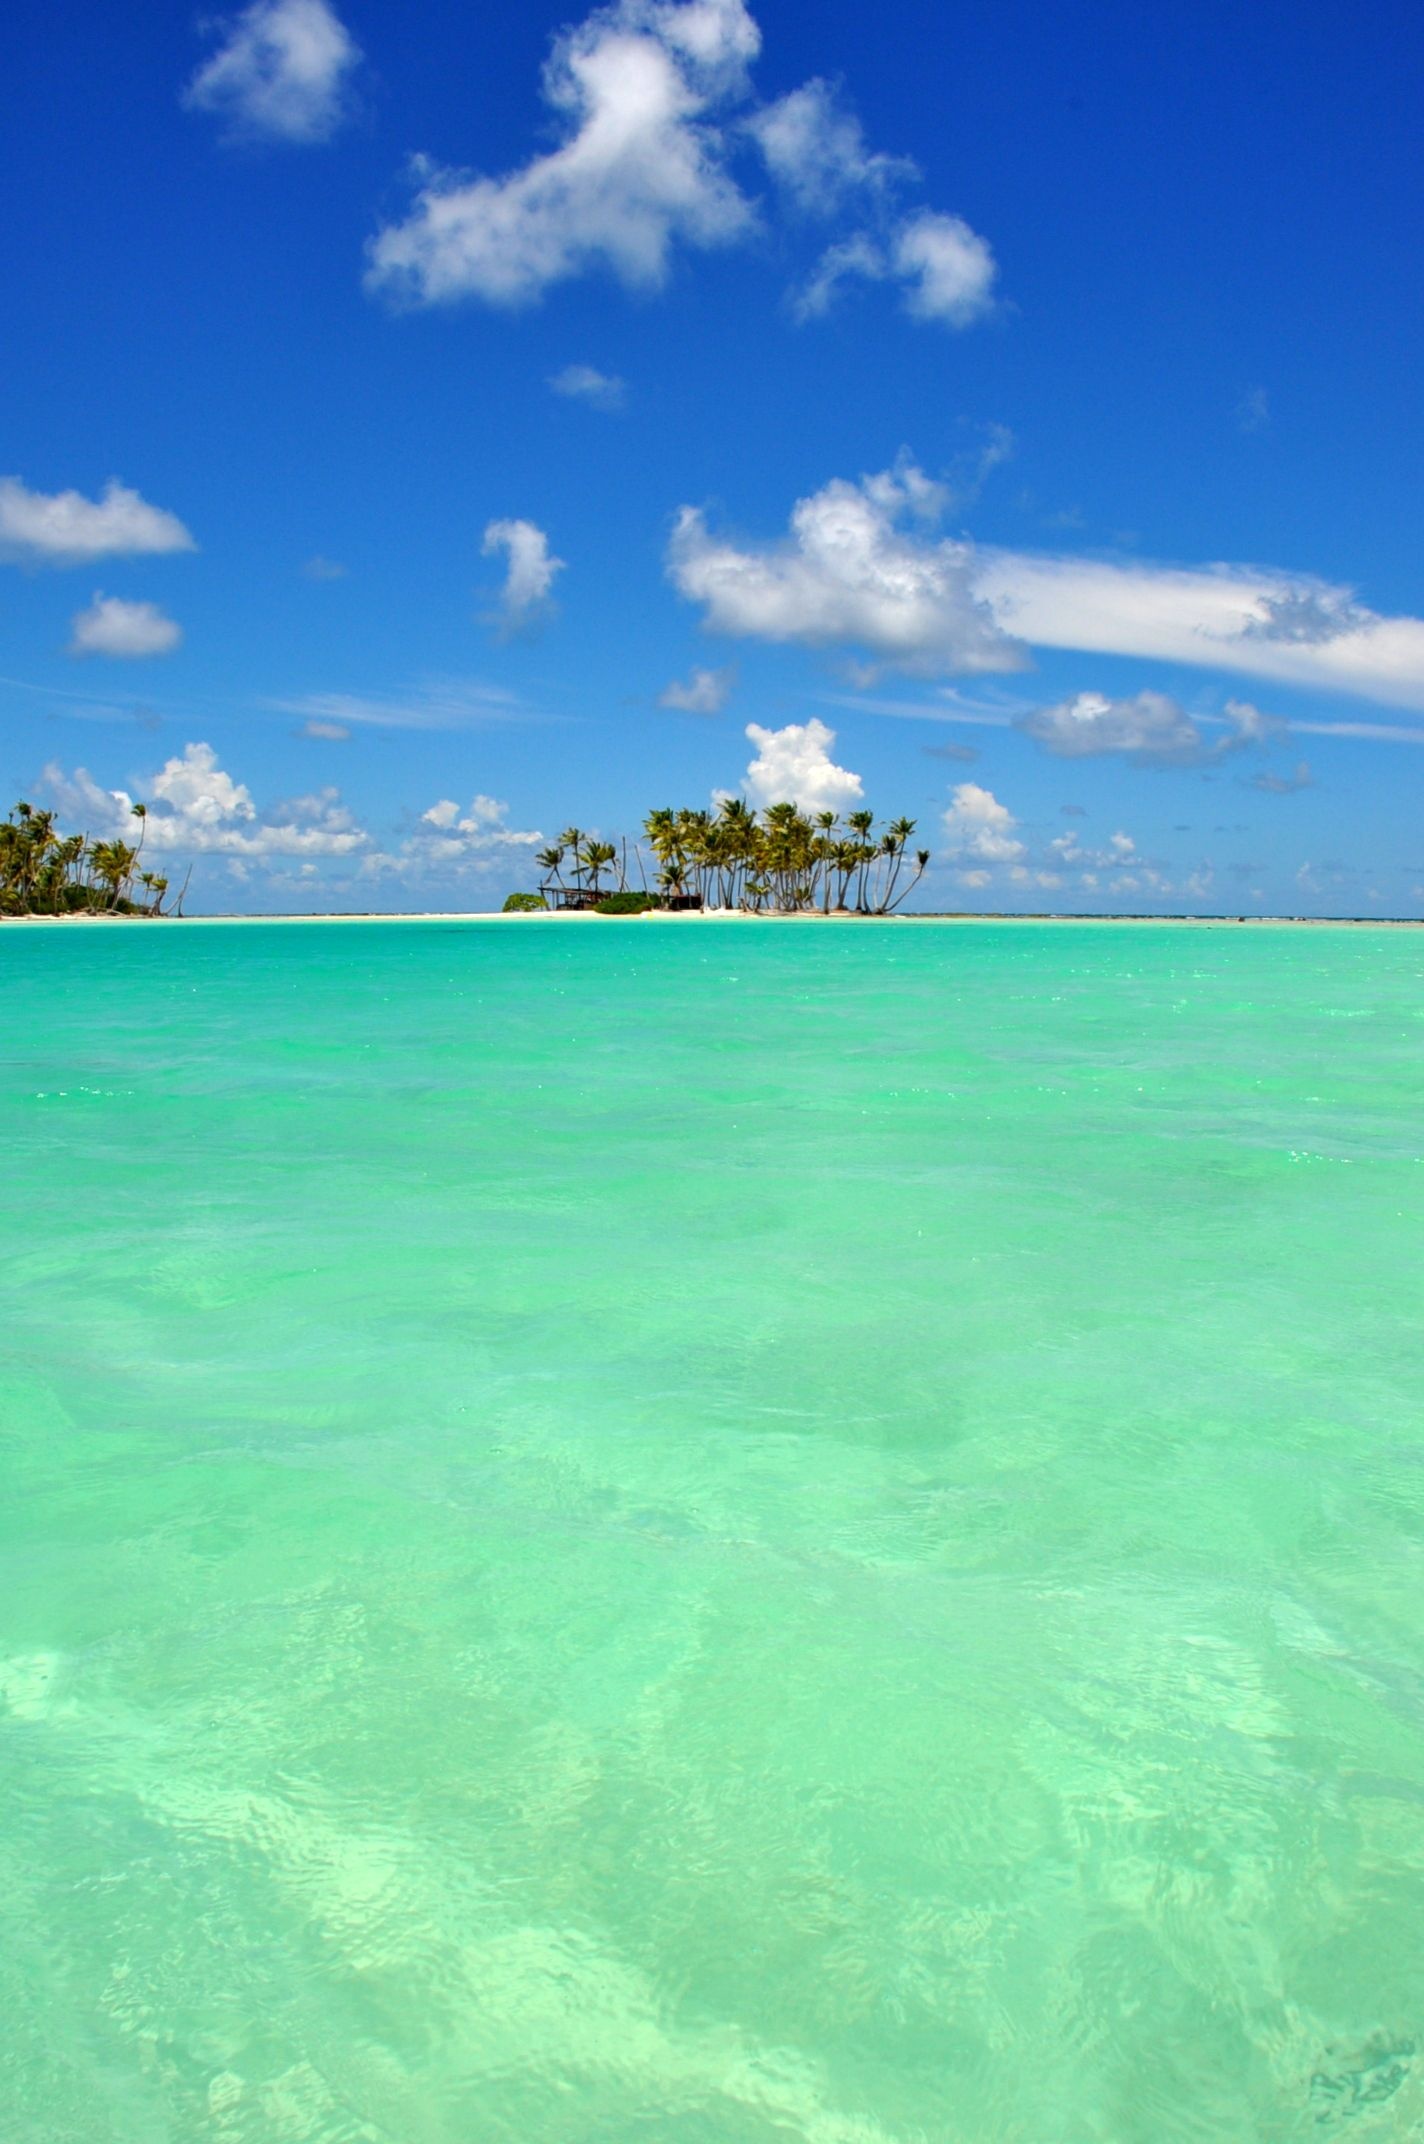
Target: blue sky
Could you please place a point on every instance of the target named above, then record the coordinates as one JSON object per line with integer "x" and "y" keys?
{"x": 426, "y": 427}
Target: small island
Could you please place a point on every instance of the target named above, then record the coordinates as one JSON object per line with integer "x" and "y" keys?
{"x": 44, "y": 872}
{"x": 781, "y": 861}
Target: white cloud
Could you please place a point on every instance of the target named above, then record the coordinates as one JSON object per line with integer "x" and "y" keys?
{"x": 196, "y": 808}
{"x": 706, "y": 692}
{"x": 815, "y": 148}
{"x": 980, "y": 830}
{"x": 65, "y": 529}
{"x": 947, "y": 270}
{"x": 1377, "y": 732}
{"x": 110, "y": 626}
{"x": 451, "y": 840}
{"x": 529, "y": 571}
{"x": 640, "y": 167}
{"x": 850, "y": 575}
{"x": 438, "y": 704}
{"x": 858, "y": 255}
{"x": 1253, "y": 411}
{"x": 585, "y": 383}
{"x": 1149, "y": 727}
{"x": 1256, "y": 621}
{"x": 856, "y": 572}
{"x": 325, "y": 732}
{"x": 324, "y": 569}
{"x": 1071, "y": 850}
{"x": 281, "y": 73}
{"x": 794, "y": 766}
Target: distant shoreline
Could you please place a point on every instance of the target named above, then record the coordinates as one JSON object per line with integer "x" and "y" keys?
{"x": 730, "y": 915}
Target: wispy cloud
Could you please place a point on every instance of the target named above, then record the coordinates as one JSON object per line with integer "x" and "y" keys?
{"x": 1282, "y": 785}
{"x": 705, "y": 692}
{"x": 585, "y": 383}
{"x": 1253, "y": 411}
{"x": 1250, "y": 620}
{"x": 436, "y": 704}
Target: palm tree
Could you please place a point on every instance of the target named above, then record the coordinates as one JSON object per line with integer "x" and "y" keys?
{"x": 860, "y": 823}
{"x": 572, "y": 840}
{"x": 550, "y": 862}
{"x": 597, "y": 855}
{"x": 893, "y": 847}
{"x": 823, "y": 851}
{"x": 922, "y": 857}
{"x": 113, "y": 864}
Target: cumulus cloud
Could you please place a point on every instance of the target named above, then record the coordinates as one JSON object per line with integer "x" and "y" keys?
{"x": 1070, "y": 849}
{"x": 111, "y": 626}
{"x": 645, "y": 97}
{"x": 281, "y": 73}
{"x": 195, "y": 807}
{"x": 640, "y": 167}
{"x": 815, "y": 148}
{"x": 861, "y": 568}
{"x": 1254, "y": 621}
{"x": 705, "y": 692}
{"x": 980, "y": 831}
{"x": 1149, "y": 727}
{"x": 529, "y": 571}
{"x": 794, "y": 766}
{"x": 437, "y": 704}
{"x": 454, "y": 840}
{"x": 585, "y": 383}
{"x": 64, "y": 528}
{"x": 946, "y": 270}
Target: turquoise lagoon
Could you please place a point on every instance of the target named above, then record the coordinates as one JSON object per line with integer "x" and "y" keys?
{"x": 723, "y": 1534}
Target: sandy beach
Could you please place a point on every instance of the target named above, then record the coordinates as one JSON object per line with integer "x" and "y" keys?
{"x": 734, "y": 915}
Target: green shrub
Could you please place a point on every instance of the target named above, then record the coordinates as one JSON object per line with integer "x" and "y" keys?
{"x": 525, "y": 904}
{"x": 624, "y": 904}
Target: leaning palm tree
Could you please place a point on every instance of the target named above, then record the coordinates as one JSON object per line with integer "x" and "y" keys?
{"x": 550, "y": 862}
{"x": 922, "y": 857}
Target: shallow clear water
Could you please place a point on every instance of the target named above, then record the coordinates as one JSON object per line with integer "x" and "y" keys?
{"x": 649, "y": 1535}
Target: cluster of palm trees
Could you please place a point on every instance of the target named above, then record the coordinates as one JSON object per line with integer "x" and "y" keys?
{"x": 587, "y": 859}
{"x": 46, "y": 873}
{"x": 778, "y": 861}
